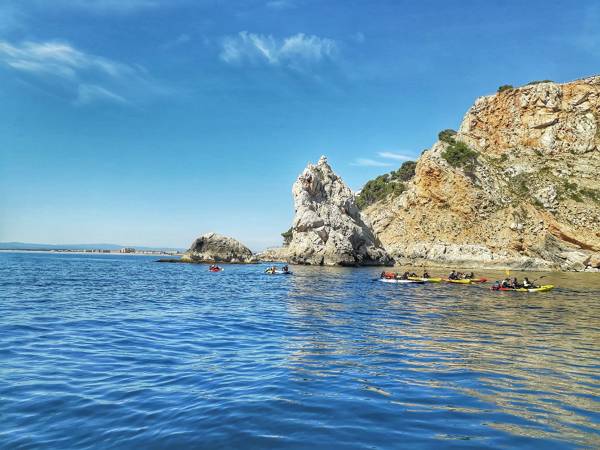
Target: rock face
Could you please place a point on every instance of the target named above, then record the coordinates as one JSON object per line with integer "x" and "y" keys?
{"x": 530, "y": 200}
{"x": 328, "y": 228}
{"x": 214, "y": 248}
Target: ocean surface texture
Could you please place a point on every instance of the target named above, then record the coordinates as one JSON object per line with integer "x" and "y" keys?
{"x": 101, "y": 351}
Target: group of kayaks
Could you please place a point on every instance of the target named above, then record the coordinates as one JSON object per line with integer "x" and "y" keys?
{"x": 389, "y": 277}
{"x": 420, "y": 280}
{"x": 270, "y": 271}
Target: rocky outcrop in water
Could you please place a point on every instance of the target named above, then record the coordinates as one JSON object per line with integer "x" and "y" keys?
{"x": 528, "y": 198}
{"x": 215, "y": 248}
{"x": 328, "y": 228}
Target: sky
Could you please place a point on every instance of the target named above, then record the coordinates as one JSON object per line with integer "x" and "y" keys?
{"x": 151, "y": 122}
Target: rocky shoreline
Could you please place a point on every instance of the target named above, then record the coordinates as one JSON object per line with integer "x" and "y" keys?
{"x": 516, "y": 187}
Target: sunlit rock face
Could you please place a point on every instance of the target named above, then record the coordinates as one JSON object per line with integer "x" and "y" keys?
{"x": 328, "y": 228}
{"x": 530, "y": 200}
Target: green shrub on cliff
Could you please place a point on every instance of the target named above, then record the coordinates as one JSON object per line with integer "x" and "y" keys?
{"x": 447, "y": 136}
{"x": 384, "y": 185}
{"x": 378, "y": 189}
{"x": 405, "y": 172}
{"x": 459, "y": 154}
{"x": 505, "y": 87}
{"x": 287, "y": 236}
{"x": 538, "y": 82}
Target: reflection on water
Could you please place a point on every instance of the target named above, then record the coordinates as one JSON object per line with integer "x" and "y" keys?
{"x": 116, "y": 351}
{"x": 532, "y": 357}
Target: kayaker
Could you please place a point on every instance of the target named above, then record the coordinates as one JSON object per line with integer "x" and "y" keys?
{"x": 426, "y": 275}
{"x": 285, "y": 269}
{"x": 506, "y": 283}
{"x": 405, "y": 276}
{"x": 528, "y": 284}
{"x": 453, "y": 275}
{"x": 413, "y": 275}
{"x": 470, "y": 276}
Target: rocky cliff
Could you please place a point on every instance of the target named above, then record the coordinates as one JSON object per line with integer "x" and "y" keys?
{"x": 517, "y": 185}
{"x": 328, "y": 228}
{"x": 215, "y": 248}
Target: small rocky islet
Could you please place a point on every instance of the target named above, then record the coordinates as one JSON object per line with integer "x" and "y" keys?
{"x": 515, "y": 187}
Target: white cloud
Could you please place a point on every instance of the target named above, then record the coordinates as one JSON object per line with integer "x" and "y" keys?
{"x": 366, "y": 162}
{"x": 89, "y": 93}
{"x": 294, "y": 51}
{"x": 395, "y": 156}
{"x": 82, "y": 76}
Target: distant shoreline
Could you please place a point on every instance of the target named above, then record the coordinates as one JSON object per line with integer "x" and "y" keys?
{"x": 94, "y": 252}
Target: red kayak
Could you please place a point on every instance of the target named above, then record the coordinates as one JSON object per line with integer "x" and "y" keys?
{"x": 478, "y": 280}
{"x": 215, "y": 269}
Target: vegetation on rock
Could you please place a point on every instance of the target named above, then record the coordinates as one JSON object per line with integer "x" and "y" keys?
{"x": 538, "y": 82}
{"x": 447, "y": 136}
{"x": 287, "y": 236}
{"x": 505, "y": 87}
{"x": 458, "y": 154}
{"x": 385, "y": 185}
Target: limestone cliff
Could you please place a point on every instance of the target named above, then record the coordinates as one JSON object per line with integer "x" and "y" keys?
{"x": 328, "y": 228}
{"x": 529, "y": 197}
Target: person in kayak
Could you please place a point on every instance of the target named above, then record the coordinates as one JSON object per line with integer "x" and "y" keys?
{"x": 426, "y": 275}
{"x": 528, "y": 284}
{"x": 285, "y": 269}
{"x": 413, "y": 275}
{"x": 405, "y": 276}
{"x": 470, "y": 276}
{"x": 453, "y": 275}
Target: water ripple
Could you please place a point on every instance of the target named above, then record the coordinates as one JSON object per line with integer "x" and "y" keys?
{"x": 118, "y": 352}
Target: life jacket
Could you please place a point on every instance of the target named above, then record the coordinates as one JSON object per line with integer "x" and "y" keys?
{"x": 389, "y": 275}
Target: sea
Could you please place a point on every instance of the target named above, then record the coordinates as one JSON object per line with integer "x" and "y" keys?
{"x": 120, "y": 351}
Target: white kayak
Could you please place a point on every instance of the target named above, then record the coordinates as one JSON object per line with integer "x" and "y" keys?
{"x": 396, "y": 280}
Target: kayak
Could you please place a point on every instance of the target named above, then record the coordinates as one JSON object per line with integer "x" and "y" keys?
{"x": 395, "y": 280}
{"x": 216, "y": 270}
{"x": 270, "y": 272}
{"x": 478, "y": 280}
{"x": 463, "y": 281}
{"x": 545, "y": 288}
{"x": 426, "y": 280}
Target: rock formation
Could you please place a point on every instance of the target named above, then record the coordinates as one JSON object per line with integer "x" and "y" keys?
{"x": 215, "y": 248}
{"x": 328, "y": 228}
{"x": 530, "y": 198}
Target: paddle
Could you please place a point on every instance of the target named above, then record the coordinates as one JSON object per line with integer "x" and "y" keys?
{"x": 539, "y": 278}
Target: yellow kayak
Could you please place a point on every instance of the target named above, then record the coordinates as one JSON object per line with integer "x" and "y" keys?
{"x": 463, "y": 281}
{"x": 427, "y": 280}
{"x": 545, "y": 288}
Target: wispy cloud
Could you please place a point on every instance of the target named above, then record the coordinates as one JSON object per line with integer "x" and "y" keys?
{"x": 395, "y": 156}
{"x": 366, "y": 162}
{"x": 294, "y": 51}
{"x": 82, "y": 76}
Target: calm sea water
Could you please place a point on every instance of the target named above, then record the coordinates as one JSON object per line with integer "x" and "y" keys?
{"x": 120, "y": 351}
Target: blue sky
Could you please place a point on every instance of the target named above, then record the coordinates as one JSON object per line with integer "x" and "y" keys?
{"x": 150, "y": 122}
